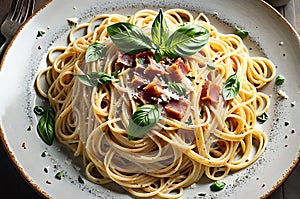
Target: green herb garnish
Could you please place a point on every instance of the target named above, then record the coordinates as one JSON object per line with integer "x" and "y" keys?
{"x": 39, "y": 110}
{"x": 129, "y": 38}
{"x": 116, "y": 73}
{"x": 177, "y": 88}
{"x": 80, "y": 180}
{"x": 95, "y": 52}
{"x": 263, "y": 118}
{"x": 58, "y": 175}
{"x": 44, "y": 154}
{"x": 231, "y": 87}
{"x": 279, "y": 80}
{"x": 160, "y": 30}
{"x": 142, "y": 120}
{"x": 40, "y": 33}
{"x": 241, "y": 33}
{"x": 96, "y": 79}
{"x": 45, "y": 126}
{"x": 217, "y": 186}
{"x": 185, "y": 41}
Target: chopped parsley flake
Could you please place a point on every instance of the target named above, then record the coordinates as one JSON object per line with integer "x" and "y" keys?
{"x": 80, "y": 180}
{"x": 40, "y": 33}
{"x": 279, "y": 80}
{"x": 217, "y": 186}
{"x": 241, "y": 33}
{"x": 44, "y": 154}
{"x": 58, "y": 175}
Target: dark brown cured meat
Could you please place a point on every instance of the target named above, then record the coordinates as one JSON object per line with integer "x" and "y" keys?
{"x": 155, "y": 88}
{"x": 146, "y": 55}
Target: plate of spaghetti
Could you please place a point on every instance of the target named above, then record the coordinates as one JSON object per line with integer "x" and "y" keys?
{"x": 163, "y": 99}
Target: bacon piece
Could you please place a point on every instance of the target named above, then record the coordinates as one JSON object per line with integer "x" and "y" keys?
{"x": 137, "y": 80}
{"x": 140, "y": 67}
{"x": 154, "y": 89}
{"x": 146, "y": 55}
{"x": 125, "y": 60}
{"x": 154, "y": 69}
{"x": 175, "y": 73}
{"x": 177, "y": 70}
{"x": 142, "y": 60}
{"x": 182, "y": 66}
{"x": 210, "y": 92}
{"x": 176, "y": 108}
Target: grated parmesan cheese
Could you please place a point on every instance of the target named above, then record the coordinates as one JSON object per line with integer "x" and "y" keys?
{"x": 193, "y": 186}
{"x": 167, "y": 95}
{"x": 73, "y": 20}
{"x": 282, "y": 94}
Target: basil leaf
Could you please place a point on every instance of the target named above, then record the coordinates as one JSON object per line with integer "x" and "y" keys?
{"x": 186, "y": 41}
{"x": 263, "y": 118}
{"x": 177, "y": 88}
{"x": 95, "y": 52}
{"x": 160, "y": 30}
{"x": 231, "y": 87}
{"x": 158, "y": 55}
{"x": 142, "y": 120}
{"x": 96, "y": 79}
{"x": 217, "y": 186}
{"x": 129, "y": 38}
{"x": 241, "y": 33}
{"x": 45, "y": 127}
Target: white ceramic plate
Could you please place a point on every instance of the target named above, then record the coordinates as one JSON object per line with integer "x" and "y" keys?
{"x": 26, "y": 56}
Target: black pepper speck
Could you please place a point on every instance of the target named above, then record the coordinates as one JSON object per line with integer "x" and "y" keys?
{"x": 48, "y": 182}
{"x": 293, "y": 131}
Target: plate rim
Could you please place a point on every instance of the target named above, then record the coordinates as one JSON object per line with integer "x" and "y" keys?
{"x": 39, "y": 190}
